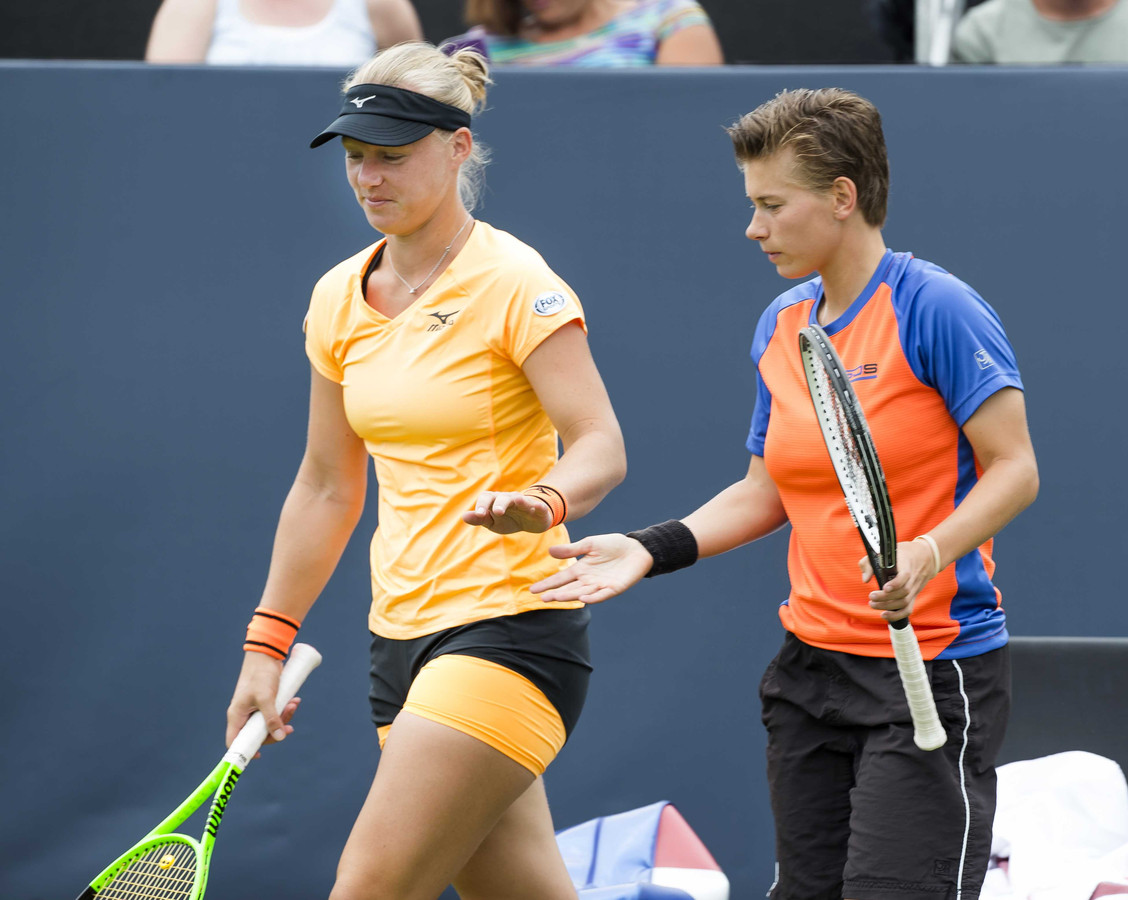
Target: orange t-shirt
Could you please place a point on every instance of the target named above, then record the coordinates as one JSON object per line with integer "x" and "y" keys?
{"x": 439, "y": 397}
{"x": 923, "y": 351}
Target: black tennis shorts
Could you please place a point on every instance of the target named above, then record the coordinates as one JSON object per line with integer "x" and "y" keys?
{"x": 549, "y": 647}
{"x": 860, "y": 811}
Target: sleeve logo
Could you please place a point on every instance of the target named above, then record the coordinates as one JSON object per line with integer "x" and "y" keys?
{"x": 984, "y": 359}
{"x": 549, "y": 303}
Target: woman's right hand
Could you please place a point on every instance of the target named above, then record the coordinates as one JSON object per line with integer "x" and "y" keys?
{"x": 608, "y": 564}
{"x": 257, "y": 689}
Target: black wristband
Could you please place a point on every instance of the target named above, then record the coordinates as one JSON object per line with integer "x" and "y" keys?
{"x": 671, "y": 543}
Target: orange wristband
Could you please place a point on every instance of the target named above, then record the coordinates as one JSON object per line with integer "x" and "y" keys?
{"x": 553, "y": 498}
{"x": 271, "y": 632}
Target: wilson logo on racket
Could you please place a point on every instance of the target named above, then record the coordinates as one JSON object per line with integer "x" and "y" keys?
{"x": 215, "y": 816}
{"x": 864, "y": 372}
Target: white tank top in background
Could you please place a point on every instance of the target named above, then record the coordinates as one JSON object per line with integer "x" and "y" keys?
{"x": 343, "y": 38}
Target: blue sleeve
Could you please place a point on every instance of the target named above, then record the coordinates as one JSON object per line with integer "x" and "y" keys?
{"x": 758, "y": 433}
{"x": 955, "y": 343}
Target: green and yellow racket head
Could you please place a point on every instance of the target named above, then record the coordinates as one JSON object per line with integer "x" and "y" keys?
{"x": 167, "y": 867}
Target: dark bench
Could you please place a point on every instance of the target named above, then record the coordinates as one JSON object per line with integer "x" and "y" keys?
{"x": 1070, "y": 693}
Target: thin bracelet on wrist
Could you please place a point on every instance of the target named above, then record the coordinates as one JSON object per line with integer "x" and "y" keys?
{"x": 931, "y": 541}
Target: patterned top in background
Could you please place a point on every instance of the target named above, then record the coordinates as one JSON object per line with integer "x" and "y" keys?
{"x": 630, "y": 39}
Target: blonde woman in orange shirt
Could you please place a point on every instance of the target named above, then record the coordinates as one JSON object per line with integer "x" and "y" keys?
{"x": 453, "y": 356}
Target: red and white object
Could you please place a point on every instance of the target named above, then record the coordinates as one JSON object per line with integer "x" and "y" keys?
{"x": 649, "y": 852}
{"x": 682, "y": 861}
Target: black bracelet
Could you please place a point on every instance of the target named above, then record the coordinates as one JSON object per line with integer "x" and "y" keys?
{"x": 671, "y": 543}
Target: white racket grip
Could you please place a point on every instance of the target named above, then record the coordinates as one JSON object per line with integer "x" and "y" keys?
{"x": 928, "y": 733}
{"x": 303, "y": 660}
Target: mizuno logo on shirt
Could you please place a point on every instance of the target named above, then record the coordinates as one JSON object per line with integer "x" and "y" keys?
{"x": 864, "y": 372}
{"x": 444, "y": 319}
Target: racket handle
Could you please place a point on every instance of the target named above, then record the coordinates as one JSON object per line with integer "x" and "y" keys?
{"x": 928, "y": 733}
{"x": 303, "y": 660}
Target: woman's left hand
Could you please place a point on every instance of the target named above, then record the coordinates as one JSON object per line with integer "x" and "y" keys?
{"x": 914, "y": 571}
{"x": 506, "y": 512}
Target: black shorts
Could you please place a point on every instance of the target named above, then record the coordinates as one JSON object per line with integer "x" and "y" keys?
{"x": 548, "y": 647}
{"x": 860, "y": 811}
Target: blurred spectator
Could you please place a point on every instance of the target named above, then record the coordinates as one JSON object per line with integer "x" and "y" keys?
{"x": 268, "y": 32}
{"x": 592, "y": 32}
{"x": 1043, "y": 32}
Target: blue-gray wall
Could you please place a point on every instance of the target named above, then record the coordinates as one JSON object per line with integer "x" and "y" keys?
{"x": 160, "y": 232}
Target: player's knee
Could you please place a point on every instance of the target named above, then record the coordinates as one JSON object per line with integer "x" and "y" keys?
{"x": 373, "y": 886}
{"x": 563, "y": 891}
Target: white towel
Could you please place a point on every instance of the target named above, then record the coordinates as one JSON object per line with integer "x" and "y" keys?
{"x": 1061, "y": 828}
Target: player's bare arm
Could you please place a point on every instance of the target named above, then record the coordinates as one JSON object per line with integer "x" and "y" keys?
{"x": 568, "y": 385}
{"x": 741, "y": 513}
{"x": 317, "y": 519}
{"x": 999, "y": 435}
{"x": 609, "y": 564}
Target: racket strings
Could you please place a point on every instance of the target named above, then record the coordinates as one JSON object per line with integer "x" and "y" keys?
{"x": 846, "y": 455}
{"x": 165, "y": 872}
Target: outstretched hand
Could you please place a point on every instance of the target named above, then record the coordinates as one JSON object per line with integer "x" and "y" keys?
{"x": 506, "y": 512}
{"x": 606, "y": 565}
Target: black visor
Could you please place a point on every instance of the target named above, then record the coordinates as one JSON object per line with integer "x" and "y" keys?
{"x": 390, "y": 116}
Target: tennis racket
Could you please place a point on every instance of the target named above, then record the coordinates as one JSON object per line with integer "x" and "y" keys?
{"x": 167, "y": 866}
{"x": 855, "y": 461}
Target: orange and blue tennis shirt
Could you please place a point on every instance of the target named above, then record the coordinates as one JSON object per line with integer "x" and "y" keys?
{"x": 923, "y": 351}
{"x": 444, "y": 408}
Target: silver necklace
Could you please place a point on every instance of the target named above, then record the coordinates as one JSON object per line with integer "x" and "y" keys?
{"x": 454, "y": 240}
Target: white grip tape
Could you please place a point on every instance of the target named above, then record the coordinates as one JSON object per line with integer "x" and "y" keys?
{"x": 303, "y": 660}
{"x": 928, "y": 733}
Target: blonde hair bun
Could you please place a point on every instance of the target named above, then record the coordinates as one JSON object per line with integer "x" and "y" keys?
{"x": 459, "y": 80}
